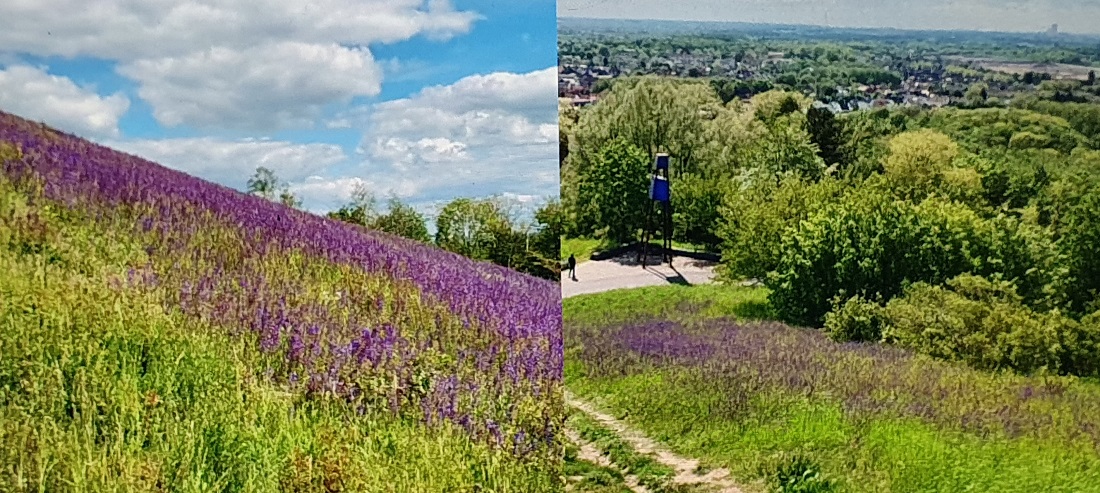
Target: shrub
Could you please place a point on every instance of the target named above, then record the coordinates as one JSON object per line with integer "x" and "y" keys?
{"x": 983, "y": 323}
{"x": 796, "y": 473}
{"x": 872, "y": 245}
{"x": 855, "y": 320}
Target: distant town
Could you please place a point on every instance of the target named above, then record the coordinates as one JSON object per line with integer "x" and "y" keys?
{"x": 850, "y": 75}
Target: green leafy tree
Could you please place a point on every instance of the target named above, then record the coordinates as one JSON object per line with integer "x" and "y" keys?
{"x": 1080, "y": 240}
{"x": 872, "y": 245}
{"x": 787, "y": 149}
{"x": 758, "y": 216}
{"x": 547, "y": 240}
{"x": 470, "y": 227}
{"x": 977, "y": 94}
{"x": 360, "y": 210}
{"x": 772, "y": 105}
{"x": 827, "y": 133}
{"x": 567, "y": 121}
{"x": 653, "y": 114}
{"x": 918, "y": 160}
{"x": 289, "y": 199}
{"x": 695, "y": 205}
{"x": 615, "y": 190}
{"x": 403, "y": 220}
{"x": 264, "y": 183}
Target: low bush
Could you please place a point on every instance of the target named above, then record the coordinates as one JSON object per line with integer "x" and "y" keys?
{"x": 984, "y": 323}
{"x": 870, "y": 244}
{"x": 796, "y": 473}
{"x": 854, "y": 320}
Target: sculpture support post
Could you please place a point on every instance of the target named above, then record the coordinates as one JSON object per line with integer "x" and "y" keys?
{"x": 660, "y": 192}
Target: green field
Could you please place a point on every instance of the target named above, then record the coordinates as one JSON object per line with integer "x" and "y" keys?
{"x": 655, "y": 357}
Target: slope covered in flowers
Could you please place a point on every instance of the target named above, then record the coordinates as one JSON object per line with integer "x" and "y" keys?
{"x": 322, "y": 311}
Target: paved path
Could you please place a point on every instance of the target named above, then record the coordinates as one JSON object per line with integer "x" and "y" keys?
{"x": 624, "y": 272}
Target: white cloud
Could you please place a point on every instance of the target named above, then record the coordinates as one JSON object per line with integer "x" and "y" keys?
{"x": 33, "y": 93}
{"x": 322, "y": 195}
{"x": 237, "y": 64}
{"x": 134, "y": 29}
{"x": 231, "y": 163}
{"x": 519, "y": 94}
{"x": 263, "y": 87}
{"x": 483, "y": 135}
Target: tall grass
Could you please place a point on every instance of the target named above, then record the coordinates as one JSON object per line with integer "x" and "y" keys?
{"x": 755, "y": 396}
{"x": 162, "y": 329}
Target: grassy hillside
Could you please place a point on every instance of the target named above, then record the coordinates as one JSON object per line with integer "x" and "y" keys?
{"x": 161, "y": 333}
{"x": 765, "y": 399}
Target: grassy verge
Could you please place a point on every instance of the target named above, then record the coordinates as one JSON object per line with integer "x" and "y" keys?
{"x": 674, "y": 302}
{"x": 581, "y": 248}
{"x": 780, "y": 406}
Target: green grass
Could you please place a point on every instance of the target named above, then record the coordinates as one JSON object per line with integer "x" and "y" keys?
{"x": 779, "y": 435}
{"x": 672, "y": 302}
{"x": 589, "y": 477}
{"x": 879, "y": 455}
{"x": 581, "y": 248}
{"x": 103, "y": 389}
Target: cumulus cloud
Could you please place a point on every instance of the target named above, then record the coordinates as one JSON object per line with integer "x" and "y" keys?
{"x": 522, "y": 95}
{"x": 260, "y": 65}
{"x": 483, "y": 135}
{"x": 130, "y": 30}
{"x": 320, "y": 194}
{"x": 263, "y": 87}
{"x": 231, "y": 163}
{"x": 33, "y": 93}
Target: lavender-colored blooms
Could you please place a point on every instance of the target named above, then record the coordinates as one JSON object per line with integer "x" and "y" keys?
{"x": 736, "y": 361}
{"x": 402, "y": 308}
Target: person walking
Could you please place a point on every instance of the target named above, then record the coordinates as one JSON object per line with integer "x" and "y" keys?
{"x": 572, "y": 267}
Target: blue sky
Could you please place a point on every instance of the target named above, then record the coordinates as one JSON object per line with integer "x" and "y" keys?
{"x": 425, "y": 100}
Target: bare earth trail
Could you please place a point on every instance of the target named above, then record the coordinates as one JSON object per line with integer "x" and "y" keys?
{"x": 590, "y": 453}
{"x": 623, "y": 273}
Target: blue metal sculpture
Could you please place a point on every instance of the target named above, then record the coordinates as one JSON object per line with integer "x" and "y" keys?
{"x": 660, "y": 192}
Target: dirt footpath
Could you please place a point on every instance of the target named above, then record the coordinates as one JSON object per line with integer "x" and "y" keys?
{"x": 687, "y": 473}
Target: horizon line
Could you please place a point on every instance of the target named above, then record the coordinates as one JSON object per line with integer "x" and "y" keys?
{"x": 823, "y": 26}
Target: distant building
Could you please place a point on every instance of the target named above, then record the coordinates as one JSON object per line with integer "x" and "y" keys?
{"x": 1053, "y": 31}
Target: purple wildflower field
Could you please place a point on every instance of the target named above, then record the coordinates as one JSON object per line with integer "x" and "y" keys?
{"x": 735, "y": 362}
{"x": 385, "y": 323}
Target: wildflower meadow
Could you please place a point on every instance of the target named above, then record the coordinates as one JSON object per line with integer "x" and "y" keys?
{"x": 705, "y": 370}
{"x": 162, "y": 333}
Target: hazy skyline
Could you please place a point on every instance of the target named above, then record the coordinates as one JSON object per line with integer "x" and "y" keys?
{"x": 1072, "y": 16}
